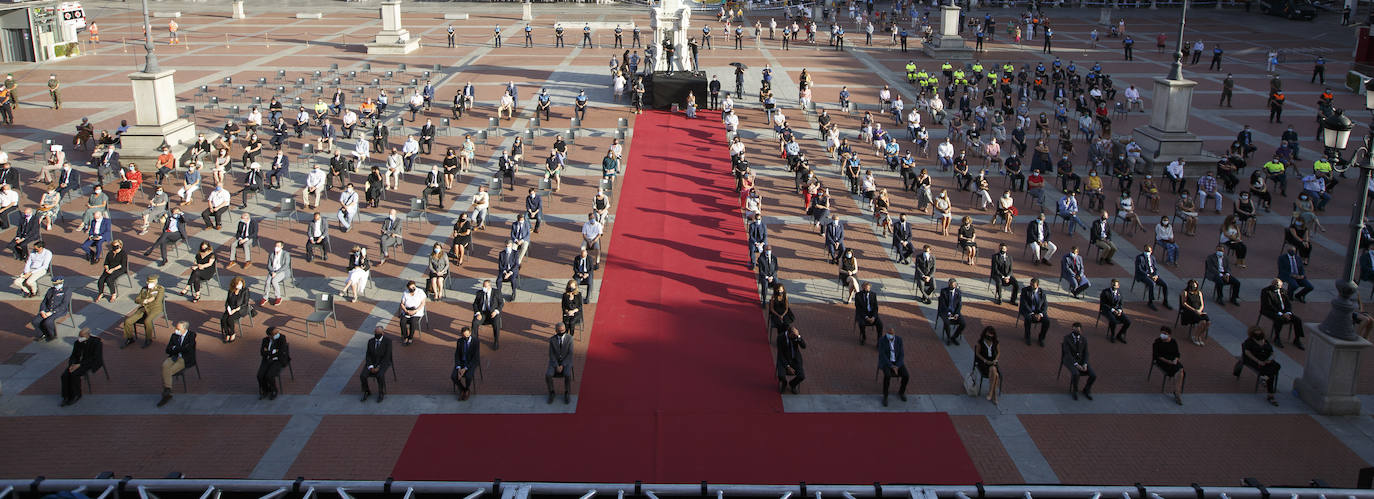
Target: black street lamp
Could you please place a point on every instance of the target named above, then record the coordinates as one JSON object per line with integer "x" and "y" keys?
{"x": 1336, "y": 129}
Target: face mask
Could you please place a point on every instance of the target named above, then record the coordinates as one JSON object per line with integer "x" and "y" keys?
{"x": 1164, "y": 337}
{"x": 80, "y": 338}
{"x": 151, "y": 285}
{"x": 1221, "y": 253}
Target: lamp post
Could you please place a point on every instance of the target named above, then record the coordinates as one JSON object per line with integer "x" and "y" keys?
{"x": 1175, "y": 71}
{"x": 149, "y": 58}
{"x": 1336, "y": 129}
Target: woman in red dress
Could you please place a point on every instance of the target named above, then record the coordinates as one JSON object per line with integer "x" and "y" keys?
{"x": 129, "y": 184}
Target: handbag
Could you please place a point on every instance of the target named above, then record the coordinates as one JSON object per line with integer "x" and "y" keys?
{"x": 971, "y": 383}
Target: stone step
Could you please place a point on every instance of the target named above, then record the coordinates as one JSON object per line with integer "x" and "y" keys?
{"x": 309, "y": 15}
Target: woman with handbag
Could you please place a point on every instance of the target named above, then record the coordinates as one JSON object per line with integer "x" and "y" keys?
{"x": 985, "y": 356}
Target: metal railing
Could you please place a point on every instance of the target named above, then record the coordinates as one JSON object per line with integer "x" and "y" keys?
{"x": 112, "y": 488}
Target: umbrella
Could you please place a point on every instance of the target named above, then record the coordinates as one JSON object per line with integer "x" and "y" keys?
{"x": 739, "y": 65}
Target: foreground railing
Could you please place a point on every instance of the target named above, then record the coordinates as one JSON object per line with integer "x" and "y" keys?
{"x": 114, "y": 488}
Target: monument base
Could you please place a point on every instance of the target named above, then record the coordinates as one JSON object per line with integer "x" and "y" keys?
{"x": 142, "y": 143}
{"x": 392, "y": 43}
{"x": 1162, "y": 147}
{"x": 950, "y": 47}
{"x": 1329, "y": 378}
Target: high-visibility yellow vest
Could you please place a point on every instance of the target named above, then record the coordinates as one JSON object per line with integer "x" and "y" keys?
{"x": 1274, "y": 167}
{"x": 1321, "y": 165}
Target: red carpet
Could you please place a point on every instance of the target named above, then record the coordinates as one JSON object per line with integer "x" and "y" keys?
{"x": 678, "y": 384}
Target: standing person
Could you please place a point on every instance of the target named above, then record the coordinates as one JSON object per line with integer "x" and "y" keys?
{"x": 1275, "y": 103}
{"x": 1216, "y": 57}
{"x": 1049, "y": 36}
{"x": 892, "y": 363}
{"x": 1228, "y": 86}
{"x": 560, "y": 362}
{"x": 1127, "y": 44}
{"x": 1074, "y": 357}
{"x": 789, "y": 361}
{"x": 55, "y": 91}
{"x": 451, "y": 43}
{"x": 587, "y": 36}
{"x": 1319, "y": 70}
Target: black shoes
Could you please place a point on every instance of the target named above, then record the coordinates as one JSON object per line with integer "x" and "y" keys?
{"x": 365, "y": 396}
{"x": 127, "y": 342}
{"x": 567, "y": 398}
{"x": 1087, "y": 394}
{"x": 166, "y": 397}
{"x": 550, "y": 401}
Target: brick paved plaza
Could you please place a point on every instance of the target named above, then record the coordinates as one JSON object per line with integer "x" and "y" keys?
{"x": 1130, "y": 433}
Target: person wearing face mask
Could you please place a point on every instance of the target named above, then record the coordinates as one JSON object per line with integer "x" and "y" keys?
{"x": 789, "y": 362}
{"x": 1034, "y": 309}
{"x": 848, "y": 276}
{"x": 1218, "y": 270}
{"x": 56, "y": 304}
{"x": 276, "y": 354}
{"x": 1293, "y": 273}
{"x": 181, "y": 354}
{"x": 892, "y": 363}
{"x": 1111, "y": 304}
{"x": 486, "y": 309}
{"x": 1101, "y": 236}
{"x": 1074, "y": 357}
{"x": 560, "y": 362}
{"x": 467, "y": 357}
{"x": 1071, "y": 270}
{"x": 86, "y": 357}
{"x": 278, "y": 269}
{"x": 411, "y": 312}
{"x": 1164, "y": 236}
{"x": 147, "y": 308}
{"x": 376, "y": 361}
{"x": 1167, "y": 359}
{"x": 1297, "y": 235}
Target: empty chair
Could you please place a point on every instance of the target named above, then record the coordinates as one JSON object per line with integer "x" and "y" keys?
{"x": 300, "y": 82}
{"x": 287, "y": 210}
{"x": 262, "y": 80}
{"x": 204, "y": 89}
{"x": 190, "y": 110}
{"x": 338, "y": 81}
{"x": 235, "y": 110}
{"x": 240, "y": 90}
{"x": 324, "y": 310}
{"x": 359, "y": 90}
{"x": 228, "y": 80}
{"x": 334, "y": 67}
{"x": 401, "y": 68}
{"x": 281, "y": 90}
{"x": 426, "y": 73}
{"x": 367, "y": 66}
{"x": 281, "y": 73}
{"x": 214, "y": 102}
{"x": 389, "y": 74}
{"x": 318, "y": 75}
{"x": 418, "y": 211}
{"x": 297, "y": 101}
{"x": 257, "y": 101}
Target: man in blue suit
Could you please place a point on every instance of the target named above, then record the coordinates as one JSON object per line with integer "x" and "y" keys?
{"x": 97, "y": 234}
{"x": 54, "y": 306}
{"x": 508, "y": 269}
{"x": 951, "y": 309}
{"x": 1292, "y": 273}
{"x": 1034, "y": 309}
{"x": 892, "y": 362}
{"x": 1071, "y": 270}
{"x": 758, "y": 237}
{"x": 834, "y": 239}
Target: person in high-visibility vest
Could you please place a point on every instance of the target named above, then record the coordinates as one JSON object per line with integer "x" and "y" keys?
{"x": 1277, "y": 173}
{"x": 911, "y": 72}
{"x": 172, "y": 30}
{"x": 947, "y": 69}
{"x": 1322, "y": 168}
{"x": 95, "y": 32}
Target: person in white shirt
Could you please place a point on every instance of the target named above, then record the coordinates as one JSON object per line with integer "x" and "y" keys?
{"x": 412, "y": 312}
{"x": 507, "y": 107}
{"x": 1164, "y": 235}
{"x": 1175, "y": 174}
{"x": 591, "y": 238}
{"x": 885, "y": 95}
{"x": 348, "y": 207}
{"x": 480, "y": 202}
{"x": 731, "y": 122}
{"x": 946, "y": 153}
{"x": 728, "y": 104}
{"x": 218, "y": 204}
{"x": 937, "y": 109}
{"x": 395, "y": 166}
{"x": 409, "y": 149}
{"x": 9, "y": 201}
{"x": 314, "y": 186}
{"x": 35, "y": 267}
{"x": 416, "y": 104}
{"x": 254, "y": 120}
{"x": 1133, "y": 99}
{"x": 361, "y": 151}
{"x": 350, "y": 123}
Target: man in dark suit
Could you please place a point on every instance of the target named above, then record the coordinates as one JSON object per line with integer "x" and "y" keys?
{"x": 1071, "y": 269}
{"x": 714, "y": 88}
{"x": 279, "y": 169}
{"x": 25, "y": 233}
{"x": 534, "y": 209}
{"x": 87, "y": 356}
{"x": 486, "y": 309}
{"x": 467, "y": 358}
{"x": 892, "y": 362}
{"x": 508, "y": 269}
{"x": 789, "y": 361}
{"x": 758, "y": 237}
{"x": 582, "y": 273}
{"x": 275, "y": 354}
{"x": 97, "y": 234}
{"x": 951, "y": 311}
{"x": 560, "y": 362}
{"x": 1147, "y": 273}
{"x": 767, "y": 266}
{"x": 173, "y": 230}
{"x": 68, "y": 180}
{"x": 181, "y": 354}
{"x": 375, "y": 363}
{"x": 434, "y": 186}
{"x": 1218, "y": 270}
{"x": 252, "y": 182}
{"x": 316, "y": 235}
{"x": 925, "y": 275}
{"x": 427, "y": 133}
{"x": 834, "y": 239}
{"x": 1034, "y": 309}
{"x": 1367, "y": 265}
{"x": 1073, "y": 355}
{"x": 1002, "y": 276}
{"x": 1101, "y": 236}
{"x": 1111, "y": 305}
{"x": 866, "y": 312}
{"x": 901, "y": 239}
{"x": 243, "y": 240}
{"x": 1292, "y": 273}
{"x": 106, "y": 163}
{"x": 1276, "y": 305}
{"x": 55, "y": 304}
{"x": 391, "y": 235}
{"x": 9, "y": 175}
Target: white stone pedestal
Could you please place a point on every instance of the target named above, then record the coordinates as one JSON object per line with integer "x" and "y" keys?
{"x": 155, "y": 115}
{"x": 947, "y": 44}
{"x": 393, "y": 39}
{"x": 238, "y": 10}
{"x": 1166, "y": 138}
{"x": 1329, "y": 378}
{"x": 526, "y": 11}
{"x": 1104, "y": 17}
{"x": 669, "y": 22}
